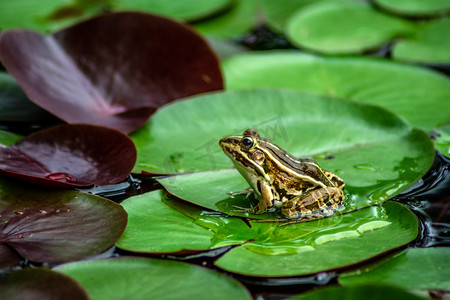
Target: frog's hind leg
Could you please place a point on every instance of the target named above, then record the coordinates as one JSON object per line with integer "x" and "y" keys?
{"x": 315, "y": 204}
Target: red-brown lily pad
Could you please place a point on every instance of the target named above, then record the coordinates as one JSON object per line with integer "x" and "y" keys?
{"x": 70, "y": 156}
{"x": 40, "y": 284}
{"x": 51, "y": 226}
{"x": 113, "y": 70}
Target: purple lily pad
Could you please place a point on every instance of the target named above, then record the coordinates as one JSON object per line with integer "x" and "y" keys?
{"x": 39, "y": 284}
{"x": 52, "y": 226}
{"x": 70, "y": 156}
{"x": 113, "y": 70}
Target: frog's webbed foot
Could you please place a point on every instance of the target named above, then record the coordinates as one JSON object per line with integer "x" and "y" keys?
{"x": 243, "y": 209}
{"x": 246, "y": 192}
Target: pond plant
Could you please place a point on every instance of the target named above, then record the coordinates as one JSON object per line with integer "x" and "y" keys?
{"x": 113, "y": 184}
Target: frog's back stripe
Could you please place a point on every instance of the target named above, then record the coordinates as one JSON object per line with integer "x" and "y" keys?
{"x": 289, "y": 164}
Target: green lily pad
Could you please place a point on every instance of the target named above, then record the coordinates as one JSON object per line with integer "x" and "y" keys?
{"x": 316, "y": 246}
{"x": 357, "y": 135}
{"x": 415, "y": 8}
{"x": 181, "y": 9}
{"x": 234, "y": 23}
{"x": 157, "y": 228}
{"x": 344, "y": 27}
{"x": 442, "y": 142}
{"x": 431, "y": 44}
{"x": 392, "y": 85}
{"x": 39, "y": 284}
{"x": 145, "y": 278}
{"x": 9, "y": 138}
{"x": 45, "y": 225}
{"x": 426, "y": 268}
{"x": 367, "y": 292}
{"x": 45, "y": 15}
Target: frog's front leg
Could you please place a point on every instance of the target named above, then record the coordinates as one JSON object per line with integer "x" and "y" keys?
{"x": 265, "y": 197}
{"x": 314, "y": 204}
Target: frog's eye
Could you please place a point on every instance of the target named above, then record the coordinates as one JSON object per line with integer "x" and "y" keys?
{"x": 247, "y": 143}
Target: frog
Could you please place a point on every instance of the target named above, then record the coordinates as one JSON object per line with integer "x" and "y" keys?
{"x": 298, "y": 187}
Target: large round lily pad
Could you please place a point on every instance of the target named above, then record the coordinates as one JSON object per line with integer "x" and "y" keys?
{"x": 427, "y": 268}
{"x": 341, "y": 27}
{"x": 145, "y": 278}
{"x": 306, "y": 248}
{"x": 376, "y": 153}
{"x": 50, "y": 226}
{"x": 113, "y": 70}
{"x": 392, "y": 85}
{"x": 39, "y": 284}
{"x": 155, "y": 227}
{"x": 70, "y": 155}
{"x": 265, "y": 248}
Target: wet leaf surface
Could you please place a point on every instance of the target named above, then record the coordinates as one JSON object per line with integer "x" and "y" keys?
{"x": 442, "y": 142}
{"x": 70, "y": 156}
{"x": 96, "y": 73}
{"x": 155, "y": 227}
{"x": 316, "y": 246}
{"x": 39, "y": 284}
{"x": 329, "y": 27}
{"x": 45, "y": 225}
{"x": 392, "y": 85}
{"x": 266, "y": 248}
{"x": 141, "y": 278}
{"x": 426, "y": 268}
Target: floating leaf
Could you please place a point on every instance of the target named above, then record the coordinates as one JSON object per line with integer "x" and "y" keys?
{"x": 427, "y": 268}
{"x": 234, "y": 23}
{"x": 442, "y": 142}
{"x": 184, "y": 9}
{"x": 384, "y": 83}
{"x": 415, "y": 8}
{"x": 344, "y": 27}
{"x": 367, "y": 292}
{"x": 357, "y": 136}
{"x": 8, "y": 138}
{"x": 316, "y": 246}
{"x": 51, "y": 226}
{"x": 245, "y": 15}
{"x": 431, "y": 44}
{"x": 70, "y": 155}
{"x": 155, "y": 227}
{"x": 144, "y": 278}
{"x": 39, "y": 284}
{"x": 113, "y": 70}
{"x": 31, "y": 14}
